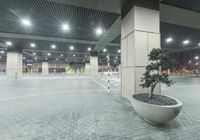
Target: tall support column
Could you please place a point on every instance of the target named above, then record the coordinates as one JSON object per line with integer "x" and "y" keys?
{"x": 45, "y": 68}
{"x": 14, "y": 65}
{"x": 87, "y": 68}
{"x": 140, "y": 33}
{"x": 94, "y": 66}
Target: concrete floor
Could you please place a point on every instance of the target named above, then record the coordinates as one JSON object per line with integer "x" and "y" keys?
{"x": 79, "y": 108}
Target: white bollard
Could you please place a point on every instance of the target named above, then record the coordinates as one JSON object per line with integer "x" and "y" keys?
{"x": 108, "y": 57}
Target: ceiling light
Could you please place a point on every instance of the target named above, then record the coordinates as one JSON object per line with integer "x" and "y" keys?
{"x": 26, "y": 22}
{"x": 199, "y": 44}
{"x": 99, "y": 31}
{"x": 74, "y": 55}
{"x": 53, "y": 46}
{"x": 2, "y": 52}
{"x": 65, "y": 27}
{"x": 35, "y": 58}
{"x": 8, "y": 43}
{"x": 89, "y": 49}
{"x": 169, "y": 40}
{"x": 61, "y": 55}
{"x": 33, "y": 45}
{"x": 116, "y": 57}
{"x": 34, "y": 53}
{"x": 71, "y": 47}
{"x": 24, "y": 57}
{"x": 186, "y": 42}
{"x": 85, "y": 55}
{"x": 46, "y": 58}
{"x": 104, "y": 50}
{"x": 49, "y": 54}
{"x": 196, "y": 57}
{"x": 118, "y": 51}
{"x": 56, "y": 59}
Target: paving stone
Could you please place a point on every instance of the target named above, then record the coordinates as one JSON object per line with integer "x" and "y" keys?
{"x": 80, "y": 109}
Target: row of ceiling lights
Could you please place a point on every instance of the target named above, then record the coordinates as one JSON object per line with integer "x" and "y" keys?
{"x": 53, "y": 46}
{"x": 65, "y": 26}
{"x": 184, "y": 42}
{"x": 49, "y": 54}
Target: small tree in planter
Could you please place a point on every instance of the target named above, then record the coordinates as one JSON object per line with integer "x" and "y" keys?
{"x": 156, "y": 109}
{"x": 153, "y": 75}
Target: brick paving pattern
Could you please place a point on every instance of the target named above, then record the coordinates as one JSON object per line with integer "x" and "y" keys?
{"x": 80, "y": 109}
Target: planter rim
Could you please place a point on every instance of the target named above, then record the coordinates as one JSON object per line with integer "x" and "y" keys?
{"x": 179, "y": 103}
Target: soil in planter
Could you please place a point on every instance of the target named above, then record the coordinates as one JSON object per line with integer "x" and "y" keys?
{"x": 156, "y": 99}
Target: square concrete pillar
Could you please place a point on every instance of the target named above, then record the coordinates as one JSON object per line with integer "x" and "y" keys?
{"x": 140, "y": 33}
{"x": 14, "y": 65}
{"x": 94, "y": 66}
{"x": 45, "y": 68}
{"x": 87, "y": 68}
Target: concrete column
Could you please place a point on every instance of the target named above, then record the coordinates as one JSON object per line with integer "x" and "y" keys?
{"x": 87, "y": 68}
{"x": 14, "y": 65}
{"x": 140, "y": 33}
{"x": 119, "y": 71}
{"x": 94, "y": 66}
{"x": 45, "y": 68}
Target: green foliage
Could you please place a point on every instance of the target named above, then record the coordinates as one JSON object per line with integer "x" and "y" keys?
{"x": 153, "y": 75}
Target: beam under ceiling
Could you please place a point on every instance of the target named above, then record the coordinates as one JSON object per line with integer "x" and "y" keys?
{"x": 179, "y": 16}
{"x": 185, "y": 49}
{"x": 113, "y": 32}
{"x": 43, "y": 38}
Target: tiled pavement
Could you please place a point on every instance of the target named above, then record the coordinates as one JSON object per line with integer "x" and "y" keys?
{"x": 81, "y": 109}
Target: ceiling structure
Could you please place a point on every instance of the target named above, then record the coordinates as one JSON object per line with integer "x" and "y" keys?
{"x": 83, "y": 18}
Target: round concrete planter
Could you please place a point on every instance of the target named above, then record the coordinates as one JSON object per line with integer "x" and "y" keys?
{"x": 156, "y": 114}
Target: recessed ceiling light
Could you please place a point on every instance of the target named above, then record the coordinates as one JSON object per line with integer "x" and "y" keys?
{"x": 32, "y": 45}
{"x": 186, "y": 42}
{"x": 199, "y": 44}
{"x": 116, "y": 57}
{"x": 104, "y": 50}
{"x": 196, "y": 57}
{"x": 65, "y": 27}
{"x": 118, "y": 51}
{"x": 53, "y": 46}
{"x": 34, "y": 53}
{"x": 46, "y": 58}
{"x": 169, "y": 39}
{"x": 61, "y": 55}
{"x": 8, "y": 43}
{"x": 26, "y": 22}
{"x": 49, "y": 54}
{"x": 74, "y": 55}
{"x": 56, "y": 59}
{"x": 71, "y": 47}
{"x": 24, "y": 57}
{"x": 2, "y": 51}
{"x": 35, "y": 58}
{"x": 99, "y": 31}
{"x": 89, "y": 49}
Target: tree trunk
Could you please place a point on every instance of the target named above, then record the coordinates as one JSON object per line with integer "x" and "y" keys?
{"x": 151, "y": 92}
